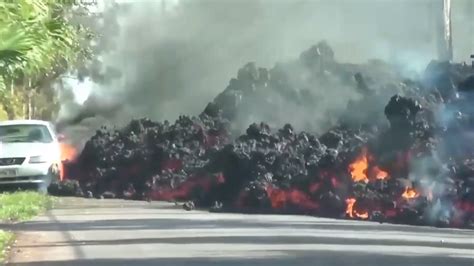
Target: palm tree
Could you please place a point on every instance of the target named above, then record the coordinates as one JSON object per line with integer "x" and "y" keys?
{"x": 37, "y": 44}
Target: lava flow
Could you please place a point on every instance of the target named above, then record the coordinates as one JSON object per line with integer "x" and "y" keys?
{"x": 280, "y": 199}
{"x": 285, "y": 170}
{"x": 358, "y": 168}
{"x": 68, "y": 153}
{"x": 352, "y": 212}
{"x": 379, "y": 173}
{"x": 410, "y": 193}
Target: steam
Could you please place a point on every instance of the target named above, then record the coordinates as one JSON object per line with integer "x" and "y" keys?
{"x": 176, "y": 56}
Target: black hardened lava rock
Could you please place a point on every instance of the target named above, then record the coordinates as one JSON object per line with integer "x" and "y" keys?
{"x": 399, "y": 152}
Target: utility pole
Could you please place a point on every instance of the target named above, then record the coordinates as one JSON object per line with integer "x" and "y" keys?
{"x": 444, "y": 31}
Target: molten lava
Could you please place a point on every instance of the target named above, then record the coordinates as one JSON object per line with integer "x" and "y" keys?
{"x": 410, "y": 193}
{"x": 280, "y": 199}
{"x": 363, "y": 215}
{"x": 352, "y": 212}
{"x": 350, "y": 205}
{"x": 68, "y": 153}
{"x": 379, "y": 173}
{"x": 184, "y": 190}
{"x": 361, "y": 171}
{"x": 358, "y": 168}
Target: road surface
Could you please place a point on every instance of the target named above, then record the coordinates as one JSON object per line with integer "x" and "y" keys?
{"x": 114, "y": 232}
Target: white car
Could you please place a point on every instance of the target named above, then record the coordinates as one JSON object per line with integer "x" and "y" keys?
{"x": 30, "y": 153}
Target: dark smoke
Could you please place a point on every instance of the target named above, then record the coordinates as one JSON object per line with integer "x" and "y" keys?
{"x": 174, "y": 61}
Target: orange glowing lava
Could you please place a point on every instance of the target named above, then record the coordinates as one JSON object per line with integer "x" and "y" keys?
{"x": 361, "y": 171}
{"x": 363, "y": 215}
{"x": 358, "y": 168}
{"x": 183, "y": 190}
{"x": 68, "y": 153}
{"x": 410, "y": 193}
{"x": 280, "y": 199}
{"x": 379, "y": 173}
{"x": 350, "y": 206}
{"x": 352, "y": 213}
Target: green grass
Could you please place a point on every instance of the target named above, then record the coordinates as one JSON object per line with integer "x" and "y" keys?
{"x": 5, "y": 240}
{"x": 21, "y": 206}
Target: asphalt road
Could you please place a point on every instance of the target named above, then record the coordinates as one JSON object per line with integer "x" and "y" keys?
{"x": 113, "y": 232}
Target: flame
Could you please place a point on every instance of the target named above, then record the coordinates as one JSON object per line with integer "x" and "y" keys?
{"x": 352, "y": 213}
{"x": 350, "y": 206}
{"x": 379, "y": 173}
{"x": 410, "y": 193}
{"x": 358, "y": 168}
{"x": 364, "y": 215}
{"x": 68, "y": 153}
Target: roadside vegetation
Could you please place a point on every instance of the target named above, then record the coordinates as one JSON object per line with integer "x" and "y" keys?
{"x": 39, "y": 42}
{"x": 5, "y": 240}
{"x": 19, "y": 206}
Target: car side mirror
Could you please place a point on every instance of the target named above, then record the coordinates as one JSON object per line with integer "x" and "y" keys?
{"x": 61, "y": 137}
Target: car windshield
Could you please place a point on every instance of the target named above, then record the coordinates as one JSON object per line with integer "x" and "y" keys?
{"x": 25, "y": 133}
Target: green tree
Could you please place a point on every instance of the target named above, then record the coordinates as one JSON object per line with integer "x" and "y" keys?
{"x": 38, "y": 43}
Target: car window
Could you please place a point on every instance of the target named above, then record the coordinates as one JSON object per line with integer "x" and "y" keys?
{"x": 25, "y": 133}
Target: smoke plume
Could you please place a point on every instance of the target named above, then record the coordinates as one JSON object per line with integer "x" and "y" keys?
{"x": 176, "y": 56}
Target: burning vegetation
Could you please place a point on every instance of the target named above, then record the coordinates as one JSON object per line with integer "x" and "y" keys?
{"x": 417, "y": 169}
